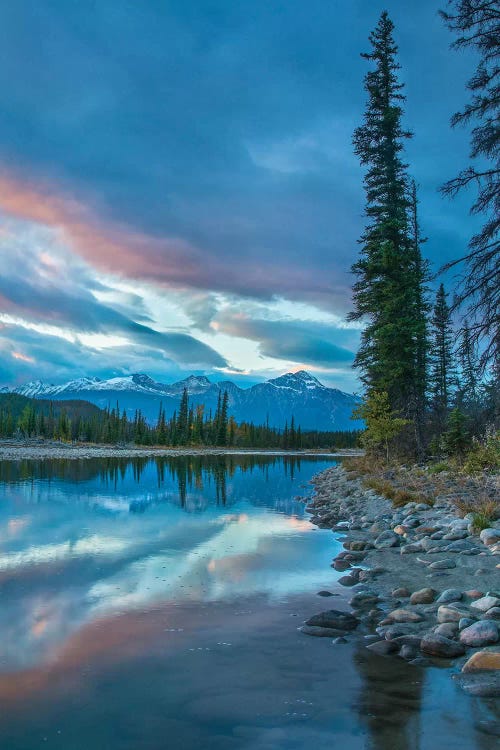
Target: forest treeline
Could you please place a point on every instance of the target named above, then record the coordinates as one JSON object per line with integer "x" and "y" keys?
{"x": 80, "y": 421}
{"x": 429, "y": 360}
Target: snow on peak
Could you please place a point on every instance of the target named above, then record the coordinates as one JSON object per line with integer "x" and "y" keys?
{"x": 296, "y": 381}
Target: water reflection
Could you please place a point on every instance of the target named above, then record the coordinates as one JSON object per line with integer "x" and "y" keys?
{"x": 82, "y": 541}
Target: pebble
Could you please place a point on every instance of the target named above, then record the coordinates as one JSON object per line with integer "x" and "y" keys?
{"x": 404, "y": 615}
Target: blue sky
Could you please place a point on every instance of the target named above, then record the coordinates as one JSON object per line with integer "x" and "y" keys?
{"x": 178, "y": 191}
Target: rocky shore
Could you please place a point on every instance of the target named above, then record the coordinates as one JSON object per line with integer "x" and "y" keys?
{"x": 425, "y": 584}
{"x": 13, "y": 450}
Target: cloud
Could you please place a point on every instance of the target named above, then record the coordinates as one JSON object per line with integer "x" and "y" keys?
{"x": 304, "y": 342}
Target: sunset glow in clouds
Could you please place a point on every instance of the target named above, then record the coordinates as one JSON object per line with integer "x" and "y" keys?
{"x": 178, "y": 191}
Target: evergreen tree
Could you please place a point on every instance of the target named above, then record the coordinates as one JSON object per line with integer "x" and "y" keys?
{"x": 388, "y": 292}
{"x": 182, "y": 419}
{"x": 469, "y": 365}
{"x": 222, "y": 421}
{"x": 477, "y": 25}
{"x": 442, "y": 375}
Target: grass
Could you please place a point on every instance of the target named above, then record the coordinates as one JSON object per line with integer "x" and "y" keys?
{"x": 439, "y": 467}
{"x": 484, "y": 511}
{"x": 398, "y": 497}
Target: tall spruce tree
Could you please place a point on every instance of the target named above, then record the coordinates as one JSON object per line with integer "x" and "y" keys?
{"x": 388, "y": 291}
{"x": 477, "y": 26}
{"x": 442, "y": 374}
{"x": 469, "y": 366}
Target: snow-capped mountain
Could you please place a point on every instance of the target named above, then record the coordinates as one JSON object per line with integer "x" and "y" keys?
{"x": 312, "y": 404}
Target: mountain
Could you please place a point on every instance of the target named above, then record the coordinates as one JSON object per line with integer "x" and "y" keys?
{"x": 312, "y": 404}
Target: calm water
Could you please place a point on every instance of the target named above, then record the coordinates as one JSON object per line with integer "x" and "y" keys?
{"x": 154, "y": 604}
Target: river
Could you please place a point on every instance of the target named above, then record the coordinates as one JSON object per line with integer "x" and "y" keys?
{"x": 155, "y": 603}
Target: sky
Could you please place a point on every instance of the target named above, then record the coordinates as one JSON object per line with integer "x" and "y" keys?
{"x": 178, "y": 189}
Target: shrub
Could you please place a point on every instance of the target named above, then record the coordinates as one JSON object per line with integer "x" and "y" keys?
{"x": 483, "y": 455}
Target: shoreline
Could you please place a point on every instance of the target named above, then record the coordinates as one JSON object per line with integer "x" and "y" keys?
{"x": 28, "y": 450}
{"x": 425, "y": 586}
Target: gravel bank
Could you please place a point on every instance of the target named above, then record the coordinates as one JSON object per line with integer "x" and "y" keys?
{"x": 17, "y": 450}
{"x": 425, "y": 587}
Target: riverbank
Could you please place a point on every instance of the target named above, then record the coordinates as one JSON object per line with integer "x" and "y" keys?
{"x": 11, "y": 450}
{"x": 426, "y": 583}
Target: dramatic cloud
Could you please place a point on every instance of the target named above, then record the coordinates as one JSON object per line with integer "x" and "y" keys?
{"x": 167, "y": 160}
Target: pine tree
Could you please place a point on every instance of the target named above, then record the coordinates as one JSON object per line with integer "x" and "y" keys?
{"x": 182, "y": 419}
{"x": 442, "y": 375}
{"x": 222, "y": 421}
{"x": 469, "y": 365}
{"x": 388, "y": 292}
{"x": 477, "y": 24}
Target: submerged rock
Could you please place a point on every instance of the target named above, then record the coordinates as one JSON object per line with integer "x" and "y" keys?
{"x": 484, "y": 684}
{"x": 334, "y": 618}
{"x": 321, "y": 632}
{"x": 449, "y": 595}
{"x": 383, "y": 648}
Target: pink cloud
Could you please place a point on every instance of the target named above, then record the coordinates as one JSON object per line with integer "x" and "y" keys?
{"x": 171, "y": 261}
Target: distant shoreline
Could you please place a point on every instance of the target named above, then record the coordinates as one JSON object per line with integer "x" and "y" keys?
{"x": 17, "y": 450}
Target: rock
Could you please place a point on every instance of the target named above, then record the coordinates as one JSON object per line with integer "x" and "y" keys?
{"x": 334, "y": 618}
{"x": 383, "y": 648}
{"x": 473, "y": 594}
{"x": 424, "y": 596}
{"x": 401, "y": 530}
{"x": 438, "y": 645}
{"x": 449, "y": 595}
{"x": 407, "y": 652}
{"x": 448, "y": 613}
{"x": 321, "y": 632}
{"x": 392, "y": 632}
{"x": 339, "y": 639}
{"x": 483, "y": 684}
{"x": 401, "y": 593}
{"x": 324, "y": 593}
{"x": 341, "y": 565}
{"x": 481, "y": 633}
{"x": 490, "y": 536}
{"x": 492, "y": 614}
{"x": 404, "y": 615}
{"x": 411, "y": 639}
{"x": 465, "y": 622}
{"x": 481, "y": 660}
{"x": 349, "y": 580}
{"x": 408, "y": 549}
{"x": 443, "y": 564}
{"x": 485, "y": 603}
{"x": 386, "y": 539}
{"x": 364, "y": 599}
{"x": 448, "y": 629}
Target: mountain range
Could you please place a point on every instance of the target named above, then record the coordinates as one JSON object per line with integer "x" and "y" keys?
{"x": 313, "y": 405}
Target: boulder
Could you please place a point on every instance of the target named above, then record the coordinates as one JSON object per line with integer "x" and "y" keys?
{"x": 423, "y": 596}
{"x": 383, "y": 648}
{"x": 465, "y": 622}
{"x": 334, "y": 618}
{"x": 386, "y": 539}
{"x": 448, "y": 629}
{"x": 321, "y": 632}
{"x": 482, "y": 660}
{"x": 438, "y": 645}
{"x": 449, "y": 595}
{"x": 445, "y": 564}
{"x": 484, "y": 684}
{"x": 492, "y": 614}
{"x": 404, "y": 615}
{"x": 490, "y": 536}
{"x": 481, "y": 633}
{"x": 448, "y": 613}
{"x": 400, "y": 593}
{"x": 485, "y": 603}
